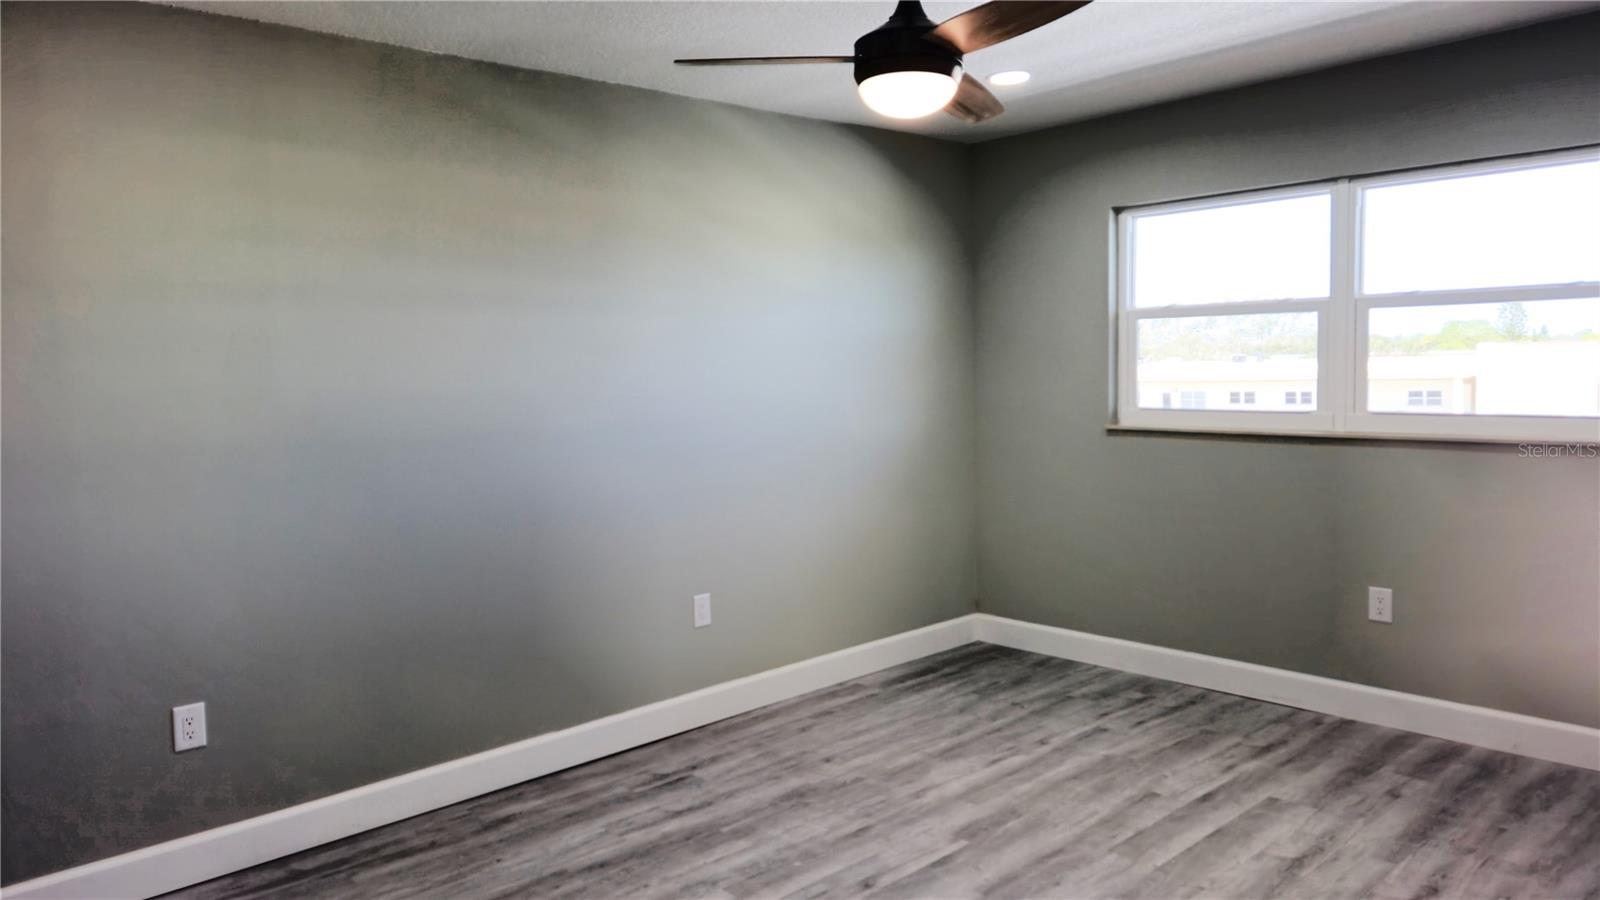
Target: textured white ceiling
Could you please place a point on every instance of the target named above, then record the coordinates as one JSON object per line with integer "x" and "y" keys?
{"x": 1112, "y": 55}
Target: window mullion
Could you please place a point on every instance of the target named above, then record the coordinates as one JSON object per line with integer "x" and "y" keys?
{"x": 1232, "y": 308}
{"x": 1344, "y": 367}
{"x": 1531, "y": 293}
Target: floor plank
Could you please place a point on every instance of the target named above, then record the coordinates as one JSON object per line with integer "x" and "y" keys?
{"x": 988, "y": 772}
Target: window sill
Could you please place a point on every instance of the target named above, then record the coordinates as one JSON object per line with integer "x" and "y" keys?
{"x": 1591, "y": 444}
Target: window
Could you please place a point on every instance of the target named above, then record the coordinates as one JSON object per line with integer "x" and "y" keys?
{"x": 1460, "y": 302}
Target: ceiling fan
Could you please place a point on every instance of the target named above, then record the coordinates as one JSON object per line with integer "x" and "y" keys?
{"x": 909, "y": 67}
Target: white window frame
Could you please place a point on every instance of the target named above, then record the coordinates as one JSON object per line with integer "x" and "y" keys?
{"x": 1340, "y": 398}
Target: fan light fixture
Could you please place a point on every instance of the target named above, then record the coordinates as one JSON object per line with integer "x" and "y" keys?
{"x": 908, "y": 67}
{"x": 909, "y": 95}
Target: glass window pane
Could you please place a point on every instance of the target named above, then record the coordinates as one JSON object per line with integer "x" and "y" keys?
{"x": 1529, "y": 226}
{"x": 1491, "y": 359}
{"x": 1269, "y": 250}
{"x": 1203, "y": 361}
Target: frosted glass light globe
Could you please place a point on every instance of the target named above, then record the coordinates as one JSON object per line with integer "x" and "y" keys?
{"x": 908, "y": 95}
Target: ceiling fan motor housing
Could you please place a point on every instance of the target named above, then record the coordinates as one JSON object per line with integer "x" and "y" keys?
{"x": 903, "y": 44}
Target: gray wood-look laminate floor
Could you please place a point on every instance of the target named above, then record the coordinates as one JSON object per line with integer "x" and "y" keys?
{"x": 992, "y": 772}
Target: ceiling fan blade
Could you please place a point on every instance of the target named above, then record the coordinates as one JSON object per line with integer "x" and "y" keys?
{"x": 989, "y": 24}
{"x": 764, "y": 60}
{"x": 973, "y": 102}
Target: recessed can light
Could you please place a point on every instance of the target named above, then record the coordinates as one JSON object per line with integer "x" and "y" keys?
{"x": 1007, "y": 79}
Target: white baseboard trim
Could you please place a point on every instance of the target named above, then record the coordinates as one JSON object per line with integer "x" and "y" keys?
{"x": 189, "y": 860}
{"x": 1562, "y": 742}
{"x": 198, "y": 857}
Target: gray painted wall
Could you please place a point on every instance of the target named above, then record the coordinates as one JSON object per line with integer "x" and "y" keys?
{"x": 1261, "y": 550}
{"x": 396, "y": 405}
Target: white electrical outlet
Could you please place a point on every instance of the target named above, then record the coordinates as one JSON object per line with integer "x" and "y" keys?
{"x": 1380, "y": 604}
{"x": 702, "y": 610}
{"x": 188, "y": 727}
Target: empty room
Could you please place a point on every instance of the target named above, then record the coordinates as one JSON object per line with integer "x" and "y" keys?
{"x": 800, "y": 449}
